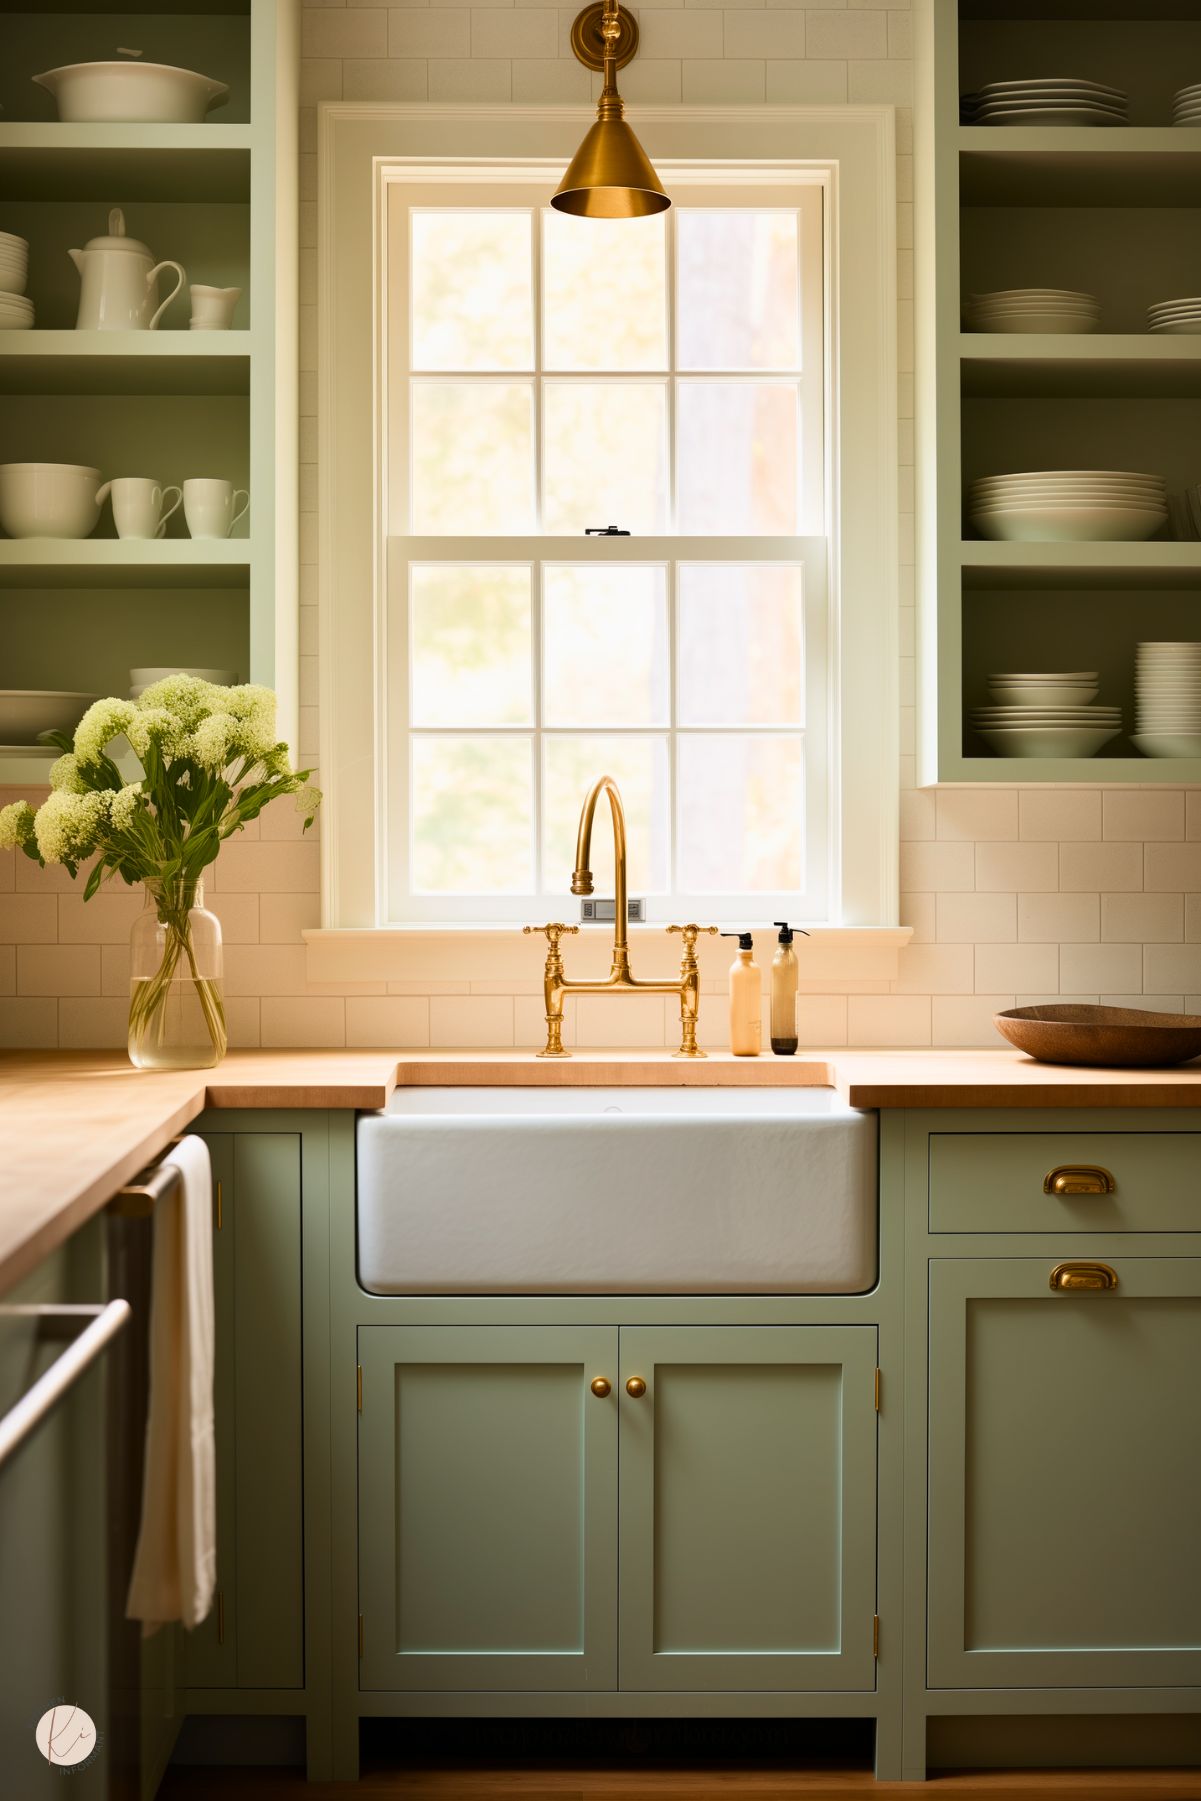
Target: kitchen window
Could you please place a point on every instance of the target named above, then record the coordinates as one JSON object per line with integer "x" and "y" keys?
{"x": 533, "y": 378}
{"x": 549, "y": 377}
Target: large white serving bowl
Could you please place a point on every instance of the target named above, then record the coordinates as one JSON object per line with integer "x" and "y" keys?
{"x": 1047, "y": 741}
{"x": 24, "y": 712}
{"x": 1068, "y": 525}
{"x": 48, "y": 500}
{"x": 132, "y": 93}
{"x": 1167, "y": 744}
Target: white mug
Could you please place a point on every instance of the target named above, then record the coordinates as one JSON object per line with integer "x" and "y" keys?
{"x": 213, "y": 308}
{"x": 210, "y": 506}
{"x": 138, "y": 505}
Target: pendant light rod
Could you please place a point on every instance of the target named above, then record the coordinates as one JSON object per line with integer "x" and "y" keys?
{"x": 610, "y": 175}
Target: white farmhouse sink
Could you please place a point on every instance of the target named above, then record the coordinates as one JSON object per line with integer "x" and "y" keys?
{"x": 617, "y": 1191}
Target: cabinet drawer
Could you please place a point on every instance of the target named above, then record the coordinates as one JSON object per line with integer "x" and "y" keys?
{"x": 1031, "y": 1181}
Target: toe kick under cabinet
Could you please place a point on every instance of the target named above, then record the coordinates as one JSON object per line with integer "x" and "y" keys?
{"x": 1054, "y": 1460}
{"x": 558, "y": 1507}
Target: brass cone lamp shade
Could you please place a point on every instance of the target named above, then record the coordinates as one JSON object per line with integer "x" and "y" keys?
{"x": 610, "y": 176}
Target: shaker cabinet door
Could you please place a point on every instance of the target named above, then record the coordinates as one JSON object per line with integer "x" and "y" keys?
{"x": 1065, "y": 1469}
{"x": 488, "y": 1507}
{"x": 748, "y": 1507}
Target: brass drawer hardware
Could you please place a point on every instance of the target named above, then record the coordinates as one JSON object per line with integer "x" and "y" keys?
{"x": 601, "y": 1386}
{"x": 635, "y": 1388}
{"x": 1079, "y": 1178}
{"x": 1073, "y": 1278}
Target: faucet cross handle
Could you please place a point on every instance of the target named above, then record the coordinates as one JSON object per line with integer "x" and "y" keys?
{"x": 554, "y": 932}
{"x": 691, "y": 933}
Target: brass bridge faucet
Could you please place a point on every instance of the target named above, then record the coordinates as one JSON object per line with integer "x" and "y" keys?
{"x": 619, "y": 980}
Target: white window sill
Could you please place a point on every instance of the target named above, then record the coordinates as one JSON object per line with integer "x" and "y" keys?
{"x": 842, "y": 958}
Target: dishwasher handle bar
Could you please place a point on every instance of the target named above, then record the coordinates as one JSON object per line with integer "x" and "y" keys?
{"x": 65, "y": 1371}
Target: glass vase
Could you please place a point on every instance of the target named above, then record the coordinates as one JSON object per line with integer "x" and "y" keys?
{"x": 176, "y": 998}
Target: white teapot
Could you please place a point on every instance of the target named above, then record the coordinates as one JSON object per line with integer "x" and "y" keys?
{"x": 119, "y": 282}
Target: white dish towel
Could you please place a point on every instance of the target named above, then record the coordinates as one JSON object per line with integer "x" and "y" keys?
{"x": 175, "y": 1564}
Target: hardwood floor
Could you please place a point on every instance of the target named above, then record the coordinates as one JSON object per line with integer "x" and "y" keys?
{"x": 475, "y": 1784}
{"x": 613, "y": 1760}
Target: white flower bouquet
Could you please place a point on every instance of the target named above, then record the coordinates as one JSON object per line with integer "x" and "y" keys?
{"x": 210, "y": 762}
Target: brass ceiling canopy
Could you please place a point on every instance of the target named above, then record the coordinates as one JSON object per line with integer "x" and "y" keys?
{"x": 610, "y": 175}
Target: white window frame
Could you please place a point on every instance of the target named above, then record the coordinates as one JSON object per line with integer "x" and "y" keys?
{"x": 852, "y": 150}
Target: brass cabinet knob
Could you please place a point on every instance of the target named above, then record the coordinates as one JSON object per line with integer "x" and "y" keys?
{"x": 635, "y": 1388}
{"x": 601, "y": 1386}
{"x": 1068, "y": 1278}
{"x": 1079, "y": 1178}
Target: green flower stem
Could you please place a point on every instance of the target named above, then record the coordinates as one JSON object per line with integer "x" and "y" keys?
{"x": 149, "y": 1001}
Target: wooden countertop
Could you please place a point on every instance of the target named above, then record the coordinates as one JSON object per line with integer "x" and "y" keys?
{"x": 75, "y": 1126}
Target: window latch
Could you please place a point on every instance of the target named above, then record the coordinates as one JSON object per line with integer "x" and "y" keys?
{"x": 604, "y": 531}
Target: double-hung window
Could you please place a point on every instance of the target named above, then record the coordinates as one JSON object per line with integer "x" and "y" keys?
{"x": 548, "y": 378}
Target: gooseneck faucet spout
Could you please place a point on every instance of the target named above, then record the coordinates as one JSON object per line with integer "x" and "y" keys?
{"x": 620, "y": 979}
{"x": 581, "y": 880}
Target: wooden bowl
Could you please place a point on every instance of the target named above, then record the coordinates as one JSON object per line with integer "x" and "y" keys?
{"x": 1109, "y": 1037}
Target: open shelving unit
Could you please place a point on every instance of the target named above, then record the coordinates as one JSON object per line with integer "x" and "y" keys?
{"x": 1111, "y": 211}
{"x": 219, "y": 198}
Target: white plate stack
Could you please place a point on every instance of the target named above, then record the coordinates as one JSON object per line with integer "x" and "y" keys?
{"x": 1186, "y": 108}
{"x": 16, "y": 312}
{"x": 1068, "y": 506}
{"x": 1045, "y": 715}
{"x": 1053, "y": 100}
{"x": 1175, "y": 317}
{"x": 1167, "y": 689}
{"x": 1032, "y": 309}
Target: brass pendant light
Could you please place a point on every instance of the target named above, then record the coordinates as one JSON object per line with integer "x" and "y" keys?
{"x": 610, "y": 175}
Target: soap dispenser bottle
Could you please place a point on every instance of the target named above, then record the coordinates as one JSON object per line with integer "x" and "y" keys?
{"x": 746, "y": 999}
{"x": 784, "y": 981}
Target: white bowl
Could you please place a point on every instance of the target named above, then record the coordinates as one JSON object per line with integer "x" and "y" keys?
{"x": 1182, "y": 329}
{"x": 12, "y": 281}
{"x": 16, "y": 306}
{"x": 1032, "y": 83}
{"x": 48, "y": 500}
{"x": 143, "y": 678}
{"x": 1068, "y": 525}
{"x": 1049, "y": 116}
{"x": 24, "y": 712}
{"x": 1167, "y": 744}
{"x": 1023, "y": 695}
{"x": 132, "y": 93}
{"x": 1047, "y": 741}
{"x": 13, "y": 245}
{"x": 1067, "y": 494}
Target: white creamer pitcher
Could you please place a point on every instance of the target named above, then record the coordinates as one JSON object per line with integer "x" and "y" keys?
{"x": 119, "y": 282}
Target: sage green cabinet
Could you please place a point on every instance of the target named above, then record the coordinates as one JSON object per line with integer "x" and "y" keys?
{"x": 748, "y": 1507}
{"x": 490, "y": 1497}
{"x": 487, "y": 1498}
{"x": 1065, "y": 1466}
{"x": 253, "y": 1638}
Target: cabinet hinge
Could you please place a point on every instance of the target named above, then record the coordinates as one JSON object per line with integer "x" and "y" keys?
{"x": 875, "y": 1635}
{"x": 877, "y": 1390}
{"x": 359, "y": 1385}
{"x": 220, "y": 1616}
{"x": 219, "y": 1215}
{"x": 360, "y": 1637}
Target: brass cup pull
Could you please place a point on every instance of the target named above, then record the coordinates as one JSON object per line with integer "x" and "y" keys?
{"x": 1079, "y": 1178}
{"x": 635, "y": 1388}
{"x": 1080, "y": 1278}
{"x": 601, "y": 1386}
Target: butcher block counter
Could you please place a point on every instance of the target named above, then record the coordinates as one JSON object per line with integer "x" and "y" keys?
{"x": 75, "y": 1126}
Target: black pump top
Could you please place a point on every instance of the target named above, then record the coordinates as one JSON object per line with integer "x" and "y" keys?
{"x": 745, "y": 941}
{"x": 786, "y": 931}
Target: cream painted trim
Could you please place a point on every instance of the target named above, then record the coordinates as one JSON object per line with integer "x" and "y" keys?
{"x": 858, "y": 144}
